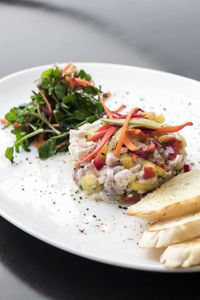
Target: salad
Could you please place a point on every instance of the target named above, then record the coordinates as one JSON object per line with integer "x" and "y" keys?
{"x": 64, "y": 99}
{"x": 121, "y": 157}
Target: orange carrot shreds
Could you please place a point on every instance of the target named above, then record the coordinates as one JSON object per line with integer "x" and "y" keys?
{"x": 134, "y": 131}
{"x": 39, "y": 140}
{"x": 36, "y": 145}
{"x": 108, "y": 113}
{"x": 3, "y": 121}
{"x": 173, "y": 128}
{"x": 74, "y": 70}
{"x": 127, "y": 142}
{"x": 56, "y": 125}
{"x": 61, "y": 144}
{"x": 68, "y": 66}
{"x": 47, "y": 103}
{"x": 119, "y": 109}
{"x": 108, "y": 96}
{"x": 71, "y": 81}
{"x": 123, "y": 132}
{"x": 83, "y": 82}
{"x": 134, "y": 156}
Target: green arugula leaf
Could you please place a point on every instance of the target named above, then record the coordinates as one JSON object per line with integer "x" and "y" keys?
{"x": 48, "y": 149}
{"x": 9, "y": 153}
{"x": 60, "y": 91}
{"x": 62, "y": 105}
{"x": 83, "y": 75}
{"x": 15, "y": 115}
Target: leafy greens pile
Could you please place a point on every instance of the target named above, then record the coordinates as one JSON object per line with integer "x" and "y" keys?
{"x": 65, "y": 99}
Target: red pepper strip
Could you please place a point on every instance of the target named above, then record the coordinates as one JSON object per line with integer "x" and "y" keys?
{"x": 102, "y": 128}
{"x": 173, "y": 128}
{"x": 98, "y": 136}
{"x": 105, "y": 139}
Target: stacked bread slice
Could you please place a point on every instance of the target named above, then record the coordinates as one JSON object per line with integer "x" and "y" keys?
{"x": 175, "y": 208}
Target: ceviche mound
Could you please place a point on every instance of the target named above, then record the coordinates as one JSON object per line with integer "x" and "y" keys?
{"x": 120, "y": 158}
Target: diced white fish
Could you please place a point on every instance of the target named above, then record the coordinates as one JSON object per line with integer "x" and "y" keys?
{"x": 111, "y": 160}
{"x": 123, "y": 178}
{"x": 178, "y": 159}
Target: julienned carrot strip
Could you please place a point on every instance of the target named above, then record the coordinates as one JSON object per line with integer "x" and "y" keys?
{"x": 134, "y": 156}
{"x": 72, "y": 82}
{"x": 105, "y": 139}
{"x": 173, "y": 128}
{"x": 119, "y": 109}
{"x": 56, "y": 125}
{"x": 47, "y": 103}
{"x": 71, "y": 71}
{"x": 108, "y": 113}
{"x": 129, "y": 144}
{"x": 3, "y": 121}
{"x": 36, "y": 145}
{"x": 123, "y": 132}
{"x": 134, "y": 131}
{"x": 108, "y": 96}
{"x": 39, "y": 141}
{"x": 77, "y": 81}
{"x": 61, "y": 144}
{"x": 83, "y": 82}
{"x": 68, "y": 66}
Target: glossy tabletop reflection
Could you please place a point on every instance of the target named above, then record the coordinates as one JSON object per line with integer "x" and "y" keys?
{"x": 154, "y": 34}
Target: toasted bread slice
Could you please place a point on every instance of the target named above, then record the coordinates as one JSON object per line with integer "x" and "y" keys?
{"x": 182, "y": 255}
{"x": 162, "y": 234}
{"x": 177, "y": 197}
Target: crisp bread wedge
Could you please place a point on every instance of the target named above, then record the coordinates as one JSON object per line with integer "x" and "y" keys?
{"x": 177, "y": 197}
{"x": 164, "y": 233}
{"x": 182, "y": 255}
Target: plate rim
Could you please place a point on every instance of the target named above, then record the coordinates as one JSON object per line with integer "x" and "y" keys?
{"x": 40, "y": 236}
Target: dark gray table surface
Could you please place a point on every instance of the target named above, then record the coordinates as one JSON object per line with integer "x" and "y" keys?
{"x": 150, "y": 33}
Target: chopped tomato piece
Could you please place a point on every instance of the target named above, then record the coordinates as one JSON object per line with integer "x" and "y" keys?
{"x": 99, "y": 162}
{"x": 16, "y": 125}
{"x": 175, "y": 144}
{"x": 149, "y": 148}
{"x": 148, "y": 173}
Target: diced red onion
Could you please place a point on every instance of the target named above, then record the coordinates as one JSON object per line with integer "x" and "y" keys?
{"x": 186, "y": 168}
{"x": 76, "y": 174}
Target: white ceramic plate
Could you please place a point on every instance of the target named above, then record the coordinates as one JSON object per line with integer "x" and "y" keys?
{"x": 40, "y": 197}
